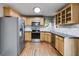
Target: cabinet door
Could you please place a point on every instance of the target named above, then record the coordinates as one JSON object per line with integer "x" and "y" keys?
{"x": 10, "y": 12}
{"x": 42, "y": 36}
{"x": 41, "y": 21}
{"x": 45, "y": 37}
{"x": 59, "y": 44}
{"x": 28, "y": 21}
{"x": 27, "y": 36}
{"x": 49, "y": 37}
{"x": 61, "y": 48}
{"x": 6, "y": 11}
{"x": 53, "y": 40}
{"x": 56, "y": 43}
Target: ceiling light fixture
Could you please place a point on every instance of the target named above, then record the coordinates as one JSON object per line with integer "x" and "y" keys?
{"x": 36, "y": 9}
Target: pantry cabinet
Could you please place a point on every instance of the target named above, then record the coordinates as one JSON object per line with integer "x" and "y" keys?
{"x": 68, "y": 15}
{"x": 59, "y": 44}
{"x": 27, "y": 36}
{"x": 45, "y": 36}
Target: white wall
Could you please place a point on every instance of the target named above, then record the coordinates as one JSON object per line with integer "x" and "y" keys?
{"x": 70, "y": 47}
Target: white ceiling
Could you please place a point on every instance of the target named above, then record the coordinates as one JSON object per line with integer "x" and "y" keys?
{"x": 47, "y": 9}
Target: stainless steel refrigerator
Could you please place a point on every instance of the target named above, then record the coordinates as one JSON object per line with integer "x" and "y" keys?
{"x": 11, "y": 36}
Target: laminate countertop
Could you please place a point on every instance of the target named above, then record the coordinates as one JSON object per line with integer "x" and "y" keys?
{"x": 69, "y": 34}
{"x": 72, "y": 33}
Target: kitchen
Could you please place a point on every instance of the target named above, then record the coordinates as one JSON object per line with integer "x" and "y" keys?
{"x": 45, "y": 29}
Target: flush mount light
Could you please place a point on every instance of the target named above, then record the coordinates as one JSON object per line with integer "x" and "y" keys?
{"x": 36, "y": 9}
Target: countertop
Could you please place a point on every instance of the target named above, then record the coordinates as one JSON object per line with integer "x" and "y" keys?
{"x": 61, "y": 34}
{"x": 72, "y": 33}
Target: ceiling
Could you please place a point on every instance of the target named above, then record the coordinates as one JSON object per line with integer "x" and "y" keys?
{"x": 47, "y": 9}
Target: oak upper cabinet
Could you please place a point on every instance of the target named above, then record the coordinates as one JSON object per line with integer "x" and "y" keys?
{"x": 24, "y": 18}
{"x": 41, "y": 20}
{"x": 27, "y": 36}
{"x": 68, "y": 15}
{"x": 59, "y": 44}
{"x": 58, "y": 18}
{"x": 28, "y": 21}
{"x": 7, "y": 11}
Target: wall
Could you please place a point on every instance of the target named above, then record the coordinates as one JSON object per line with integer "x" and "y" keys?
{"x": 70, "y": 47}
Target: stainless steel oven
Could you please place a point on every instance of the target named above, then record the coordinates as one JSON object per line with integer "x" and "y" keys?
{"x": 35, "y": 32}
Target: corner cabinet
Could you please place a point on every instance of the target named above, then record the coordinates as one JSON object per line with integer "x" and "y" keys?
{"x": 46, "y": 36}
{"x": 68, "y": 15}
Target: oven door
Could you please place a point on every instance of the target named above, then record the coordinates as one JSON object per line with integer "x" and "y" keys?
{"x": 35, "y": 35}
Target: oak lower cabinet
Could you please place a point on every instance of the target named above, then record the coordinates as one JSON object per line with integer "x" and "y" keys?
{"x": 42, "y": 38}
{"x": 48, "y": 37}
{"x": 53, "y": 40}
{"x": 45, "y": 36}
{"x": 67, "y": 46}
{"x": 27, "y": 36}
{"x": 59, "y": 44}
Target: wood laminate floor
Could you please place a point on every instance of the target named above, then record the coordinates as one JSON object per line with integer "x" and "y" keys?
{"x": 39, "y": 49}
